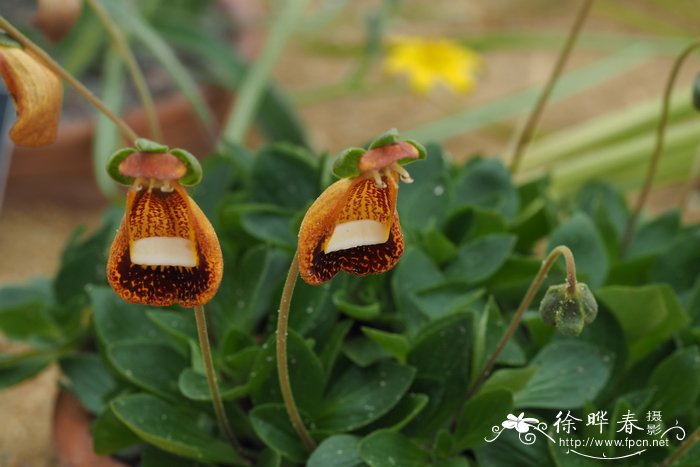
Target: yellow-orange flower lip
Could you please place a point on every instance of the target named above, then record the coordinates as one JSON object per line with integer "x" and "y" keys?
{"x": 166, "y": 250}
{"x": 353, "y": 226}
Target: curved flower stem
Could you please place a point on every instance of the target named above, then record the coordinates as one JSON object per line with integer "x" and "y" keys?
{"x": 682, "y": 449}
{"x": 524, "y": 304}
{"x": 534, "y": 117}
{"x": 656, "y": 154}
{"x": 218, "y": 404}
{"x": 122, "y": 47}
{"x": 50, "y": 63}
{"x": 282, "y": 368}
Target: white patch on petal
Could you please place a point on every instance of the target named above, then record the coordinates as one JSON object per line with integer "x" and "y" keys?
{"x": 163, "y": 251}
{"x": 356, "y": 233}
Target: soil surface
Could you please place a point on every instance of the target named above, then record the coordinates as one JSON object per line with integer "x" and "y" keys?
{"x": 36, "y": 221}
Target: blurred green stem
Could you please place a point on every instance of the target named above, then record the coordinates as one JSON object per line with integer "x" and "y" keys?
{"x": 534, "y": 117}
{"x": 683, "y": 448}
{"x": 524, "y": 304}
{"x": 282, "y": 367}
{"x": 122, "y": 48}
{"x": 51, "y": 64}
{"x": 218, "y": 404}
{"x": 255, "y": 81}
{"x": 658, "y": 147}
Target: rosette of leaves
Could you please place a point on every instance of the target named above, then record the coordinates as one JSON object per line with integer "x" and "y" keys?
{"x": 380, "y": 365}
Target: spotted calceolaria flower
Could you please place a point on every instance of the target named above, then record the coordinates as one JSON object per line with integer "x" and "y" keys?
{"x": 36, "y": 91}
{"x": 166, "y": 250}
{"x": 353, "y": 225}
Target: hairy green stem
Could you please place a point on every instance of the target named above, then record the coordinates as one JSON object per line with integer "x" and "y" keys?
{"x": 253, "y": 86}
{"x": 50, "y": 63}
{"x": 218, "y": 404}
{"x": 658, "y": 147}
{"x": 122, "y": 48}
{"x": 534, "y": 117}
{"x": 282, "y": 367}
{"x": 524, "y": 304}
{"x": 683, "y": 448}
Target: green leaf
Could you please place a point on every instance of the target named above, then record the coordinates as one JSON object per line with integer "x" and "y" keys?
{"x": 363, "y": 352}
{"x": 671, "y": 398}
{"x": 117, "y": 321}
{"x": 170, "y": 429}
{"x": 608, "y": 210}
{"x": 153, "y": 367}
{"x": 415, "y": 271}
{"x": 25, "y": 369}
{"x": 359, "y": 396}
{"x": 445, "y": 299}
{"x": 486, "y": 183}
{"x": 395, "y": 344}
{"x": 88, "y": 378}
{"x": 649, "y": 315}
{"x": 480, "y": 259}
{"x": 179, "y": 324}
{"x": 305, "y": 373}
{"x": 252, "y": 286}
{"x": 469, "y": 223}
{"x": 334, "y": 344}
{"x": 437, "y": 245}
{"x": 284, "y": 175}
{"x": 337, "y": 451}
{"x": 153, "y": 457}
{"x": 680, "y": 265}
{"x": 426, "y": 200}
{"x": 24, "y": 312}
{"x": 569, "y": 373}
{"x": 311, "y": 308}
{"x": 194, "y": 386}
{"x": 363, "y": 312}
{"x": 442, "y": 352}
{"x": 489, "y": 328}
{"x": 478, "y": 416}
{"x": 401, "y": 414}
{"x": 83, "y": 260}
{"x": 271, "y": 423}
{"x": 655, "y": 236}
{"x": 389, "y": 449}
{"x": 511, "y": 379}
{"x": 110, "y": 435}
{"x": 580, "y": 235}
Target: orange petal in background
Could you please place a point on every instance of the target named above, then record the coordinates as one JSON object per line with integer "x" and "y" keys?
{"x": 321, "y": 256}
{"x": 173, "y": 220}
{"x": 37, "y": 93}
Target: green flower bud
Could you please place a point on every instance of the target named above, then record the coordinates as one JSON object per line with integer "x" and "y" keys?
{"x": 567, "y": 311}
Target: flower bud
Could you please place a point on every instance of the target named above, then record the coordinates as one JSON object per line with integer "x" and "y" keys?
{"x": 567, "y": 311}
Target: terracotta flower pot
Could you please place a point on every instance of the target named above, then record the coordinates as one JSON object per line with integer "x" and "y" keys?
{"x": 71, "y": 435}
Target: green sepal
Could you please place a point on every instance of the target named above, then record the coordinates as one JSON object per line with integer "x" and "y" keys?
{"x": 113, "y": 166}
{"x": 568, "y": 311}
{"x": 389, "y": 137}
{"x": 146, "y": 145}
{"x": 7, "y": 41}
{"x": 194, "y": 169}
{"x": 421, "y": 152}
{"x": 346, "y": 163}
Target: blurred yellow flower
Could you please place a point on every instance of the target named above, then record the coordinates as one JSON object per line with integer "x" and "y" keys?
{"x": 427, "y": 62}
